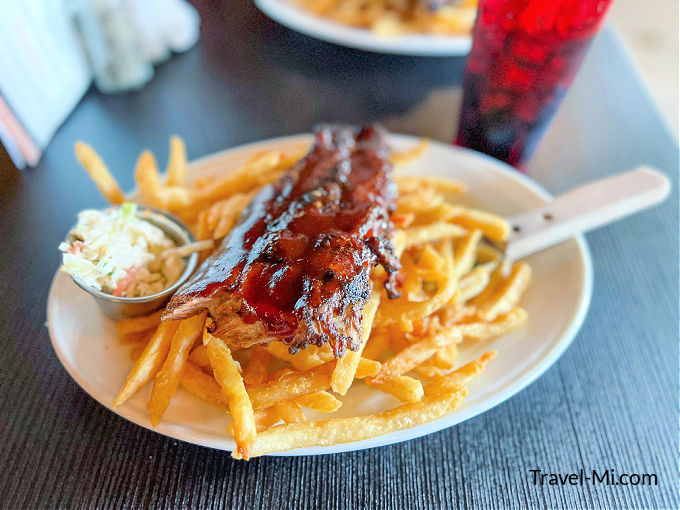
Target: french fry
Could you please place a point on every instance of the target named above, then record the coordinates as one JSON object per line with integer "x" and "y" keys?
{"x": 402, "y": 220}
{"x": 402, "y": 158}
{"x": 138, "y": 349}
{"x": 214, "y": 208}
{"x": 408, "y": 183}
{"x": 415, "y": 305}
{"x": 258, "y": 366}
{"x": 405, "y": 324}
{"x": 428, "y": 371}
{"x": 217, "y": 220}
{"x": 430, "y": 258}
{"x": 152, "y": 192}
{"x": 147, "y": 179}
{"x": 252, "y": 174}
{"x": 367, "y": 368}
{"x": 174, "y": 198}
{"x": 204, "y": 386}
{"x": 319, "y": 401}
{"x": 493, "y": 226}
{"x": 325, "y": 353}
{"x": 202, "y": 229}
{"x": 216, "y": 168}
{"x": 149, "y": 362}
{"x": 278, "y": 374}
{"x": 290, "y": 412}
{"x": 423, "y": 327}
{"x": 138, "y": 324}
{"x": 419, "y": 201}
{"x": 477, "y": 331}
{"x": 487, "y": 253}
{"x": 176, "y": 172}
{"x": 137, "y": 337}
{"x": 346, "y": 367}
{"x": 431, "y": 233}
{"x": 431, "y": 213}
{"x": 475, "y": 281}
{"x": 187, "y": 249}
{"x": 376, "y": 345}
{"x": 291, "y": 385}
{"x": 303, "y": 360}
{"x": 454, "y": 314}
{"x": 415, "y": 354}
{"x": 399, "y": 242}
{"x": 167, "y": 380}
{"x": 403, "y": 387}
{"x": 230, "y": 213}
{"x": 202, "y": 181}
{"x": 445, "y": 358}
{"x": 506, "y": 295}
{"x": 345, "y": 430}
{"x": 265, "y": 418}
{"x": 296, "y": 385}
{"x": 496, "y": 279}
{"x": 398, "y": 342}
{"x": 101, "y": 176}
{"x": 233, "y": 389}
{"x": 465, "y": 252}
{"x": 201, "y": 385}
{"x": 402, "y": 309}
{"x": 199, "y": 357}
{"x": 292, "y": 155}
{"x": 460, "y": 376}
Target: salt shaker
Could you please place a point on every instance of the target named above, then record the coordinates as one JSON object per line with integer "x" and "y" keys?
{"x": 112, "y": 44}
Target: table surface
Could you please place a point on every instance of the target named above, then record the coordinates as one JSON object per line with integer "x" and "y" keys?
{"x": 610, "y": 402}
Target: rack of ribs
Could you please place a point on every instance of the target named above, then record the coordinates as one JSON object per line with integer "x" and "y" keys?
{"x": 296, "y": 268}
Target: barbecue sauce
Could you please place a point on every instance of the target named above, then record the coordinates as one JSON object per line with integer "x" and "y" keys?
{"x": 304, "y": 248}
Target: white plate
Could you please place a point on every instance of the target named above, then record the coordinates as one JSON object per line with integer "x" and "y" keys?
{"x": 557, "y": 300}
{"x": 309, "y": 24}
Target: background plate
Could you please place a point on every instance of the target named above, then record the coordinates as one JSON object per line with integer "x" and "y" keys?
{"x": 306, "y": 23}
{"x": 557, "y": 301}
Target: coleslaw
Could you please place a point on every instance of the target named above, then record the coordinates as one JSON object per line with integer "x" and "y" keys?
{"x": 117, "y": 252}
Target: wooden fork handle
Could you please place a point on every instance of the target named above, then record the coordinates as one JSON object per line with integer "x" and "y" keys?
{"x": 585, "y": 208}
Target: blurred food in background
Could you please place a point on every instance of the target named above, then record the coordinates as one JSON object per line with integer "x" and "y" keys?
{"x": 398, "y": 17}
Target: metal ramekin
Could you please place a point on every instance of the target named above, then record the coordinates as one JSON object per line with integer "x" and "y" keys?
{"x": 121, "y": 307}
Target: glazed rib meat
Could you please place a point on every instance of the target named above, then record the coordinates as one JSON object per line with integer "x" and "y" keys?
{"x": 297, "y": 266}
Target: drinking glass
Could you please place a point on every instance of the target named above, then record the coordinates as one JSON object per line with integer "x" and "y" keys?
{"x": 524, "y": 56}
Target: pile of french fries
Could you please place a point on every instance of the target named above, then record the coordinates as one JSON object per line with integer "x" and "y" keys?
{"x": 456, "y": 289}
{"x": 392, "y": 18}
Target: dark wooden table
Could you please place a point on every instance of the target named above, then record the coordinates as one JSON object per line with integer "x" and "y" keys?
{"x": 611, "y": 402}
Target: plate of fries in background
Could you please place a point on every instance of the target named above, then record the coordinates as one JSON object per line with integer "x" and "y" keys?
{"x": 401, "y": 27}
{"x": 469, "y": 331}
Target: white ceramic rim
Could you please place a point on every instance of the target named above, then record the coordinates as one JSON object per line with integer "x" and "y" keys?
{"x": 416, "y": 45}
{"x": 453, "y": 418}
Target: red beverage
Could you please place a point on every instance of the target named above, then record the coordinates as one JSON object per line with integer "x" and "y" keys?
{"x": 524, "y": 56}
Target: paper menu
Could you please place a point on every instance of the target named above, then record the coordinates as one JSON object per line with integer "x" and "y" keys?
{"x": 44, "y": 70}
